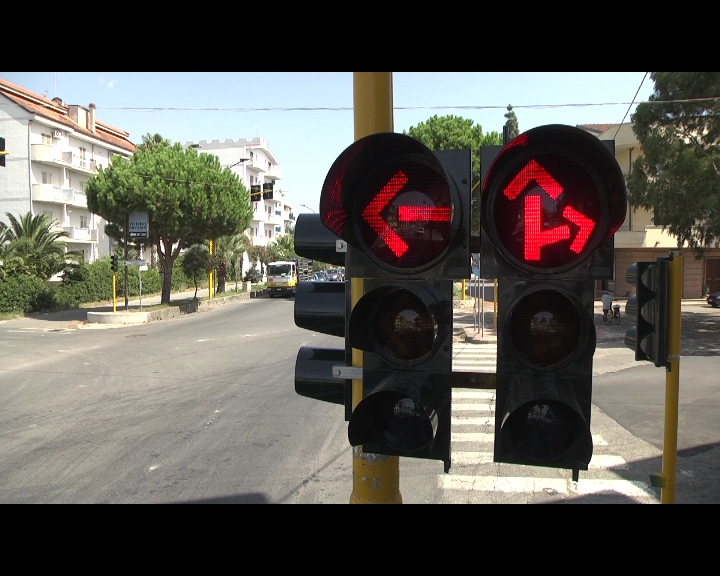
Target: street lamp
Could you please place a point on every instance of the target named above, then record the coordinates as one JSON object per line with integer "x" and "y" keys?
{"x": 308, "y": 207}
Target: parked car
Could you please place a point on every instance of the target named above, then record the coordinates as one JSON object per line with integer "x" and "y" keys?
{"x": 714, "y": 299}
{"x": 320, "y": 277}
{"x": 334, "y": 275}
{"x": 254, "y": 277}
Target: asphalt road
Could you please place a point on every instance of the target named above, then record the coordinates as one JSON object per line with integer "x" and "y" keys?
{"x": 202, "y": 409}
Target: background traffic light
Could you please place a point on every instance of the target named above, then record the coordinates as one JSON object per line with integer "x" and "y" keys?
{"x": 404, "y": 212}
{"x": 551, "y": 202}
{"x": 114, "y": 262}
{"x": 2, "y": 151}
{"x": 255, "y": 193}
{"x": 649, "y": 307}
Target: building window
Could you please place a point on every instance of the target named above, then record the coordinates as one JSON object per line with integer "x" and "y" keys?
{"x": 83, "y": 221}
{"x": 46, "y": 178}
{"x": 47, "y": 139}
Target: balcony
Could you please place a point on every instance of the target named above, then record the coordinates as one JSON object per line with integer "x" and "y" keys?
{"x": 52, "y": 154}
{"x": 82, "y": 235}
{"x": 58, "y": 195}
{"x": 275, "y": 173}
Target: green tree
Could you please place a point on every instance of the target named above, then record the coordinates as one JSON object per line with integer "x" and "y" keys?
{"x": 678, "y": 176}
{"x": 188, "y": 196}
{"x": 453, "y": 133}
{"x": 260, "y": 254}
{"x": 229, "y": 251}
{"x": 197, "y": 264}
{"x": 29, "y": 245}
{"x": 512, "y": 122}
{"x": 283, "y": 247}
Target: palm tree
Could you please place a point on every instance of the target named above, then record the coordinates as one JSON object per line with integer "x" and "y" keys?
{"x": 228, "y": 251}
{"x": 32, "y": 244}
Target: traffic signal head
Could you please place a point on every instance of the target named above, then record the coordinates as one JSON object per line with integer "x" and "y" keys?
{"x": 2, "y": 151}
{"x": 255, "y": 193}
{"x": 405, "y": 331}
{"x": 321, "y": 307}
{"x": 114, "y": 262}
{"x": 551, "y": 203}
{"x": 649, "y": 306}
{"x": 401, "y": 206}
{"x": 404, "y": 212}
{"x": 546, "y": 341}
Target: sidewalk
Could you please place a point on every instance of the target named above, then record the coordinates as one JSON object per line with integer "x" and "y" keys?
{"x": 79, "y": 316}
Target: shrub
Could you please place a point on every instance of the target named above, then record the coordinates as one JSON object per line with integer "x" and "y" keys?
{"x": 26, "y": 294}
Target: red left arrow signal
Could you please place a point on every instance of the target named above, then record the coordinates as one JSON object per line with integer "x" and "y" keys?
{"x": 372, "y": 214}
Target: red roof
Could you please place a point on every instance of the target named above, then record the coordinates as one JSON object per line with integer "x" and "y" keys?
{"x": 58, "y": 111}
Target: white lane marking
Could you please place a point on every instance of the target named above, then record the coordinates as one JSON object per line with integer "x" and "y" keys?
{"x": 511, "y": 484}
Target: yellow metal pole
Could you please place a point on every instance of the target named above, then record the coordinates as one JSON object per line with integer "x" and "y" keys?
{"x": 211, "y": 283}
{"x": 463, "y": 288}
{"x": 376, "y": 478}
{"x": 672, "y": 381}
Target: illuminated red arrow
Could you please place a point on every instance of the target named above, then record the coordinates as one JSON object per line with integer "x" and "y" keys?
{"x": 586, "y": 228}
{"x": 372, "y": 214}
{"x": 535, "y": 236}
{"x": 424, "y": 213}
{"x": 533, "y": 172}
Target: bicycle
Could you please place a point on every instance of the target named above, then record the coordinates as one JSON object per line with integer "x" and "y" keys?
{"x": 613, "y": 315}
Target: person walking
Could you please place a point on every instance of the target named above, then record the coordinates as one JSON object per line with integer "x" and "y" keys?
{"x": 607, "y": 299}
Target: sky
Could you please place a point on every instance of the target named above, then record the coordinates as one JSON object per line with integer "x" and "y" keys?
{"x": 306, "y": 142}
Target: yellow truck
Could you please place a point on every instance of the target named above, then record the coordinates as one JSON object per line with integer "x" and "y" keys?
{"x": 283, "y": 276}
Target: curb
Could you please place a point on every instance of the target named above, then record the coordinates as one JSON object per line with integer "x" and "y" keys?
{"x": 164, "y": 313}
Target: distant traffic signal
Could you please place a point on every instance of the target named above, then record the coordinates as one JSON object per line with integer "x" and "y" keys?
{"x": 255, "y": 193}
{"x": 649, "y": 307}
{"x": 404, "y": 213}
{"x": 2, "y": 151}
{"x": 551, "y": 203}
{"x": 114, "y": 262}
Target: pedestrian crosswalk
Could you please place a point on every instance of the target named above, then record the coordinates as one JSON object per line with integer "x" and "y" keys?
{"x": 473, "y": 469}
{"x": 474, "y": 357}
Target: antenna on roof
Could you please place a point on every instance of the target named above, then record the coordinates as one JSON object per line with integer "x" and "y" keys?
{"x": 55, "y": 84}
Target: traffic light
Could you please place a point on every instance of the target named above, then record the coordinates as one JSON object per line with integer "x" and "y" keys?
{"x": 551, "y": 203}
{"x": 2, "y": 151}
{"x": 267, "y": 190}
{"x": 404, "y": 212}
{"x": 255, "y": 193}
{"x": 649, "y": 306}
{"x": 321, "y": 307}
{"x": 114, "y": 262}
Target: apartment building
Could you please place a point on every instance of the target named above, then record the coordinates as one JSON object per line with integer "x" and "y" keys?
{"x": 259, "y": 170}
{"x": 54, "y": 148}
{"x": 640, "y": 238}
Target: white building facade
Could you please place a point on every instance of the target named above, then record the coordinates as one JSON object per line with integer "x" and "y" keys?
{"x": 258, "y": 168}
{"x": 53, "y": 149}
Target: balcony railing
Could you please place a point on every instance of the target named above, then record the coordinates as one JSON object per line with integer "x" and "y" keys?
{"x": 53, "y": 154}
{"x": 58, "y": 195}
{"x": 80, "y": 234}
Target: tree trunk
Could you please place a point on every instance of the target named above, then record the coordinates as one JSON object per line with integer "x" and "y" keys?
{"x": 167, "y": 281}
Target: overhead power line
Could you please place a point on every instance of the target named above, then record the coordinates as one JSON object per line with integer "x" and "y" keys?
{"x": 444, "y": 107}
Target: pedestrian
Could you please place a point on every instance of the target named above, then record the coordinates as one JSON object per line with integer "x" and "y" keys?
{"x": 607, "y": 299}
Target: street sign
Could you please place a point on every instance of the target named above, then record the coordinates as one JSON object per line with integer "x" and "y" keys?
{"x": 135, "y": 263}
{"x": 138, "y": 225}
